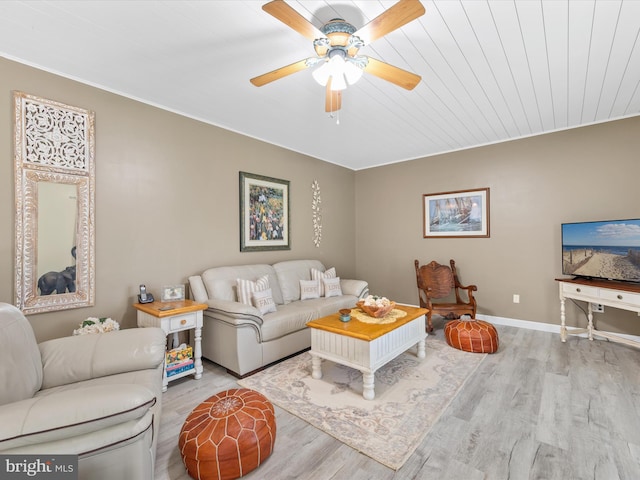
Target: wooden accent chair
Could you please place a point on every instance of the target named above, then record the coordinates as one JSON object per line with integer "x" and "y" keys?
{"x": 436, "y": 281}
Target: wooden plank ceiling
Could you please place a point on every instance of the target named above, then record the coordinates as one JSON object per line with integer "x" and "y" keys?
{"x": 492, "y": 70}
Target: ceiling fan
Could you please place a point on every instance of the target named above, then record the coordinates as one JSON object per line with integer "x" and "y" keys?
{"x": 337, "y": 43}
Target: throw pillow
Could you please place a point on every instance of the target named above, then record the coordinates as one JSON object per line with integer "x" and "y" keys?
{"x": 309, "y": 289}
{"x": 247, "y": 287}
{"x": 318, "y": 275}
{"x": 332, "y": 287}
{"x": 263, "y": 301}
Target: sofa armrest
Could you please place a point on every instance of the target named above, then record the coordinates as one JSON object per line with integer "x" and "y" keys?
{"x": 83, "y": 357}
{"x": 234, "y": 312}
{"x": 359, "y": 288}
{"x": 70, "y": 413}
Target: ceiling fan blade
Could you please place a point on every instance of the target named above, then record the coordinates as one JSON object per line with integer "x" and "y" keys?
{"x": 287, "y": 15}
{"x": 392, "y": 74}
{"x": 395, "y": 17}
{"x": 279, "y": 73}
{"x": 333, "y": 99}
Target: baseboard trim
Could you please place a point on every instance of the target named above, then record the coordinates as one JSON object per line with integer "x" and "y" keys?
{"x": 544, "y": 327}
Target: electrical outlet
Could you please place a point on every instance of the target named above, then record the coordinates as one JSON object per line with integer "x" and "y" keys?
{"x": 597, "y": 308}
{"x": 516, "y": 298}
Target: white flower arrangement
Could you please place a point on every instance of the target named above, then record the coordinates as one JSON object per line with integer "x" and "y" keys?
{"x": 376, "y": 301}
{"x": 97, "y": 325}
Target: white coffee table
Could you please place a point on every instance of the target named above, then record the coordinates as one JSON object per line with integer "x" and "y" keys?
{"x": 365, "y": 346}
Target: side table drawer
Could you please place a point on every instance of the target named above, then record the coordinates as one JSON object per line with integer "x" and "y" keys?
{"x": 571, "y": 288}
{"x": 182, "y": 322}
{"x": 621, "y": 296}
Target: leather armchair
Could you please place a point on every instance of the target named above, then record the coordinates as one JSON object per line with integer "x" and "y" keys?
{"x": 97, "y": 396}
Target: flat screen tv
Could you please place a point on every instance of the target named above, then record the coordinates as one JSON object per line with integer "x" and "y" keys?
{"x": 603, "y": 250}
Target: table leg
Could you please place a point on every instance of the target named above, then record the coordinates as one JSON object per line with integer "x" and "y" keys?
{"x": 197, "y": 354}
{"x": 590, "y": 323}
{"x": 368, "y": 380}
{"x": 563, "y": 326}
{"x": 316, "y": 366}
{"x": 421, "y": 349}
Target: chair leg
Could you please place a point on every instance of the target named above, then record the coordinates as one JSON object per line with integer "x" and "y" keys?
{"x": 429, "y": 325}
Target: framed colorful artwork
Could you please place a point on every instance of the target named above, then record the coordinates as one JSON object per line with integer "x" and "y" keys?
{"x": 264, "y": 213}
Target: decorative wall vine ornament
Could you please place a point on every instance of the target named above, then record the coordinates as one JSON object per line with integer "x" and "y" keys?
{"x": 317, "y": 214}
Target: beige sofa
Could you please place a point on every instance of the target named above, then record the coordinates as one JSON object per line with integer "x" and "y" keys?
{"x": 97, "y": 396}
{"x": 239, "y": 337}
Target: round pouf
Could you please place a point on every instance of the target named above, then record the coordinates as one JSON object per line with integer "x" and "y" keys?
{"x": 228, "y": 435}
{"x": 476, "y": 336}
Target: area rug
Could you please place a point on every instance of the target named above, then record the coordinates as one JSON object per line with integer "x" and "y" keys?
{"x": 410, "y": 396}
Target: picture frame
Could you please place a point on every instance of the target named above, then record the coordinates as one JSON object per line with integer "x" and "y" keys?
{"x": 264, "y": 213}
{"x": 461, "y": 213}
{"x": 172, "y": 293}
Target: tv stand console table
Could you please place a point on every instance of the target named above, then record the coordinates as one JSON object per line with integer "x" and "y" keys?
{"x": 620, "y": 295}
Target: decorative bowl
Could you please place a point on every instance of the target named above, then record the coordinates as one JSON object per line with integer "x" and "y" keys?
{"x": 375, "y": 312}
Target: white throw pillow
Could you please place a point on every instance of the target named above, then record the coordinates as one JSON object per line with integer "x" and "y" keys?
{"x": 263, "y": 301}
{"x": 309, "y": 289}
{"x": 318, "y": 275}
{"x": 332, "y": 287}
{"x": 247, "y": 287}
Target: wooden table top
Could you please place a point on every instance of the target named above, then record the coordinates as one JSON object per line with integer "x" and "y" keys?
{"x": 361, "y": 330}
{"x": 176, "y": 308}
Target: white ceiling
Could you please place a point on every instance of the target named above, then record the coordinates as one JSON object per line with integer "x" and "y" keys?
{"x": 491, "y": 70}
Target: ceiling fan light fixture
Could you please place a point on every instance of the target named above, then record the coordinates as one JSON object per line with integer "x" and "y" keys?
{"x": 337, "y": 82}
{"x": 352, "y": 73}
{"x": 340, "y": 71}
{"x": 322, "y": 74}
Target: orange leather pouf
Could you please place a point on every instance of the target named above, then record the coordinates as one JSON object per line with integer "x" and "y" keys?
{"x": 475, "y": 336}
{"x": 228, "y": 435}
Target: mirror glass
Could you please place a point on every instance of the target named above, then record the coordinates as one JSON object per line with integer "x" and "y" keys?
{"x": 56, "y": 255}
{"x": 54, "y": 188}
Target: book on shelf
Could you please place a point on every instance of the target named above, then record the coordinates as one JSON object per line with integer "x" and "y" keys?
{"x": 187, "y": 366}
{"x": 178, "y": 365}
{"x": 178, "y": 355}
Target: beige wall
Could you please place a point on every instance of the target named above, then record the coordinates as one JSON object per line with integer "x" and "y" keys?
{"x": 167, "y": 198}
{"x": 536, "y": 184}
{"x": 167, "y": 206}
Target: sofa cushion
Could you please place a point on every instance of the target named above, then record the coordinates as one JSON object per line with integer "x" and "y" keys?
{"x": 246, "y": 288}
{"x": 287, "y": 319}
{"x": 309, "y": 289}
{"x": 332, "y": 287}
{"x": 319, "y": 275}
{"x": 263, "y": 301}
{"x": 320, "y": 307}
{"x": 291, "y": 272}
{"x": 220, "y": 282}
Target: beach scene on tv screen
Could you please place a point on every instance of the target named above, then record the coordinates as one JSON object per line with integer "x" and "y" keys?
{"x": 602, "y": 249}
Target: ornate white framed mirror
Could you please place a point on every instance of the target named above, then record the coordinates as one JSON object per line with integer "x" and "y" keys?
{"x": 54, "y": 147}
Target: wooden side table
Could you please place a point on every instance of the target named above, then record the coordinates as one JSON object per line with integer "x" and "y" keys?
{"x": 174, "y": 317}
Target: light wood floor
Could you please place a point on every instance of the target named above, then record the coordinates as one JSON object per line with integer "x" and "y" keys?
{"x": 536, "y": 409}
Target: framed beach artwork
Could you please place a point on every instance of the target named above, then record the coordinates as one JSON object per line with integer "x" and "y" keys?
{"x": 264, "y": 213}
{"x": 463, "y": 213}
